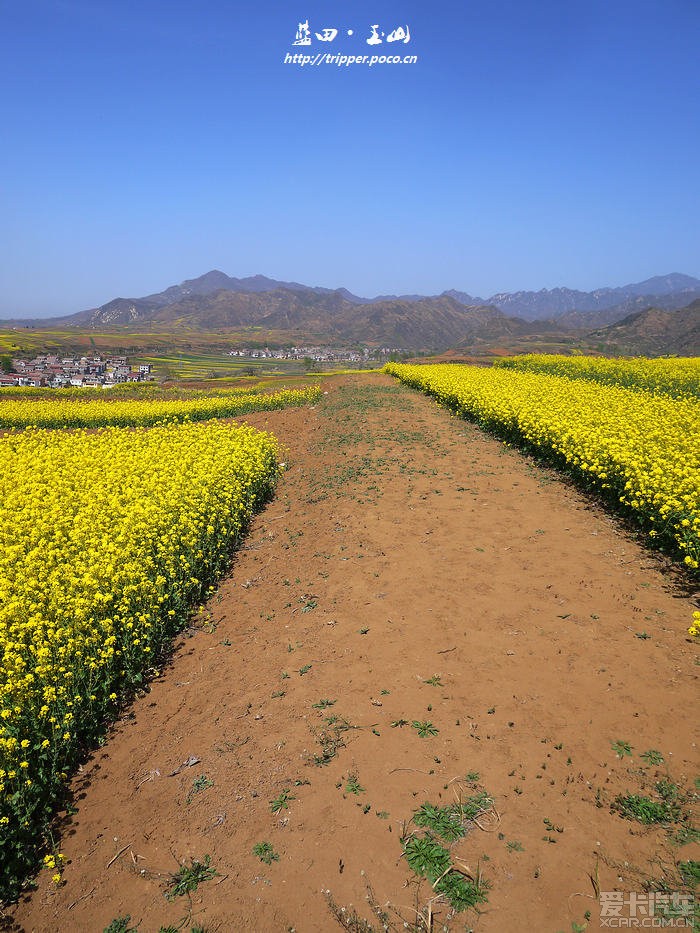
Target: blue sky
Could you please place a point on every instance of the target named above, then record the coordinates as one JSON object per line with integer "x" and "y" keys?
{"x": 533, "y": 144}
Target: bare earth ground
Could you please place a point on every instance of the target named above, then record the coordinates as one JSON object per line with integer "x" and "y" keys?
{"x": 403, "y": 543}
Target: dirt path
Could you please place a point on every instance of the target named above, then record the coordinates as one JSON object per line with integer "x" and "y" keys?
{"x": 402, "y": 544}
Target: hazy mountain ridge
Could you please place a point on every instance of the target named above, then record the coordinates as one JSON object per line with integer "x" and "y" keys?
{"x": 655, "y": 331}
{"x": 218, "y": 302}
{"x": 577, "y": 320}
{"x": 670, "y": 291}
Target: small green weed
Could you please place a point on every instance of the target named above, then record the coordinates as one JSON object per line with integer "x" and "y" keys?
{"x": 645, "y": 810}
{"x": 690, "y": 872}
{"x": 282, "y": 802}
{"x": 189, "y": 877}
{"x": 652, "y": 757}
{"x": 323, "y": 704}
{"x": 265, "y": 852}
{"x": 428, "y": 859}
{"x": 330, "y": 739}
{"x": 621, "y": 748}
{"x": 445, "y": 822}
{"x": 424, "y": 728}
{"x": 198, "y": 785}
{"x": 474, "y": 806}
{"x": 461, "y": 892}
{"x": 668, "y": 790}
{"x": 120, "y": 925}
{"x": 353, "y": 785}
{"x": 685, "y": 835}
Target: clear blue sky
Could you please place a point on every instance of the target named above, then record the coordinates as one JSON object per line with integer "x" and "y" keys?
{"x": 535, "y": 143}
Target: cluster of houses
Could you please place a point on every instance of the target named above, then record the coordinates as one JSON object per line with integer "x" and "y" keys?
{"x": 320, "y": 354}
{"x": 54, "y": 371}
{"x": 58, "y": 372}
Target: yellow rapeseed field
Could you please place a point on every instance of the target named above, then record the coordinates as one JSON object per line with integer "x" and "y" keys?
{"x": 56, "y": 411}
{"x": 677, "y": 376}
{"x": 107, "y": 539}
{"x": 641, "y": 449}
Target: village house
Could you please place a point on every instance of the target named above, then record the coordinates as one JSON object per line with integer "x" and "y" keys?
{"x": 50, "y": 370}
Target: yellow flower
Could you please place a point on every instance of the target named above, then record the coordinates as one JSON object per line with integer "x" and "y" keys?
{"x": 695, "y": 627}
{"x": 106, "y": 541}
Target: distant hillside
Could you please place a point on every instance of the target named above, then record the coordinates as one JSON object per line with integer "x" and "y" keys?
{"x": 429, "y": 323}
{"x": 577, "y": 320}
{"x": 426, "y": 323}
{"x": 220, "y": 303}
{"x": 655, "y": 331}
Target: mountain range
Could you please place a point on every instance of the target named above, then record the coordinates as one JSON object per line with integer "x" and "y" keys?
{"x": 218, "y": 302}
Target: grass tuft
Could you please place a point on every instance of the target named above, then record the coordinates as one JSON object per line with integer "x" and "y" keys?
{"x": 265, "y": 852}
{"x": 189, "y": 877}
